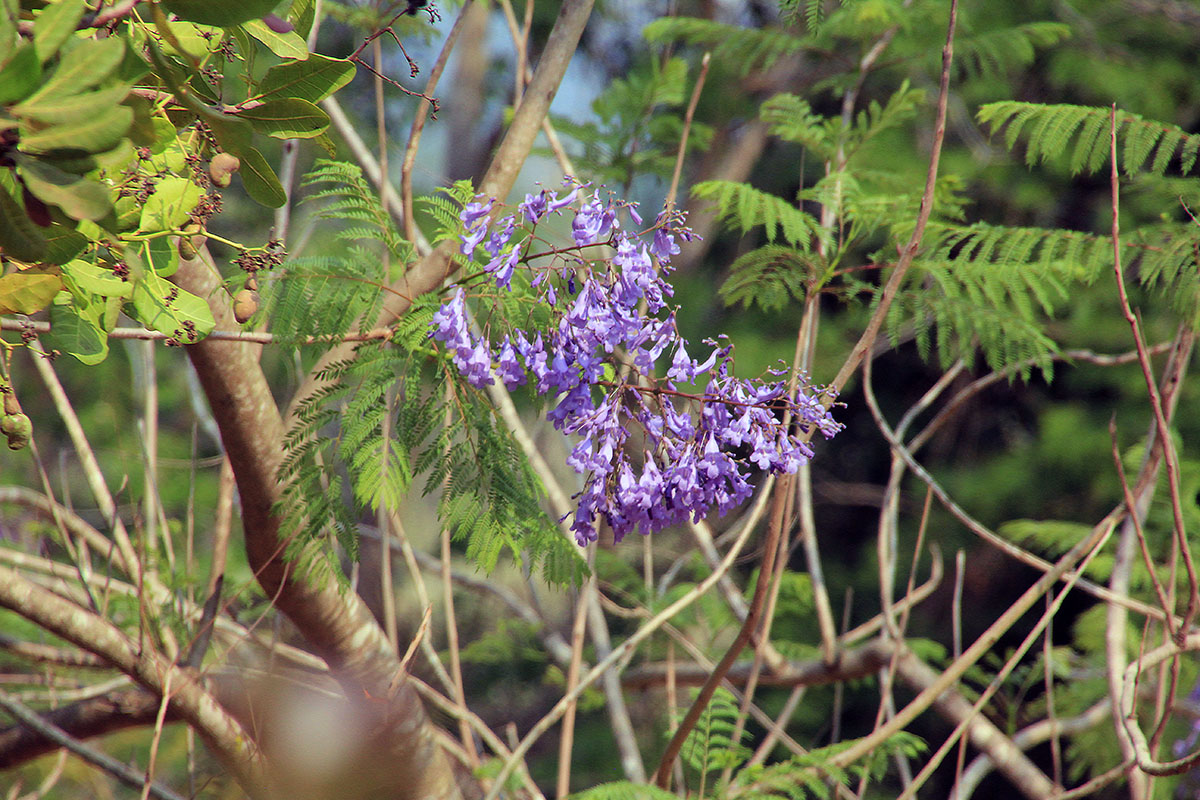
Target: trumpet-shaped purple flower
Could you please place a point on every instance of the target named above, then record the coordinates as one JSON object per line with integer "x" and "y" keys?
{"x": 695, "y": 454}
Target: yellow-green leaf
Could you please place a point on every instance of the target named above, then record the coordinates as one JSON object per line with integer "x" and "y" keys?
{"x": 93, "y": 135}
{"x": 313, "y": 79}
{"x": 52, "y": 27}
{"x": 19, "y": 237}
{"x": 168, "y": 208}
{"x": 162, "y": 306}
{"x": 95, "y": 279}
{"x": 222, "y": 13}
{"x": 77, "y": 329}
{"x": 27, "y": 293}
{"x": 287, "y": 118}
{"x": 260, "y": 180}
{"x": 79, "y": 198}
{"x": 284, "y": 45}
{"x": 21, "y": 75}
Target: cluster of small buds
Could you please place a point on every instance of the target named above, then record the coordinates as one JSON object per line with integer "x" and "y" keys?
{"x": 693, "y": 451}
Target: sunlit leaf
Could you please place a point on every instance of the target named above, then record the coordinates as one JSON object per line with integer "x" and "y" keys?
{"x": 284, "y": 45}
{"x": 164, "y": 307}
{"x": 27, "y": 292}
{"x": 288, "y": 118}
{"x": 52, "y": 27}
{"x": 79, "y": 198}
{"x": 78, "y": 330}
{"x": 168, "y": 208}
{"x": 313, "y": 79}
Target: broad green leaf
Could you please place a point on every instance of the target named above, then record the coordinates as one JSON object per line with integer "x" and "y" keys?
{"x": 21, "y": 75}
{"x": 301, "y": 14}
{"x": 8, "y": 29}
{"x": 164, "y": 307}
{"x": 191, "y": 39}
{"x": 19, "y": 237}
{"x": 260, "y": 180}
{"x": 313, "y": 79}
{"x": 221, "y": 13}
{"x": 162, "y": 255}
{"x": 168, "y": 208}
{"x": 289, "y": 118}
{"x": 83, "y": 66}
{"x": 284, "y": 45}
{"x": 27, "y": 292}
{"x": 78, "y": 330}
{"x": 65, "y": 108}
{"x": 79, "y": 198}
{"x": 52, "y": 27}
{"x": 101, "y": 132}
{"x": 141, "y": 133}
{"x": 63, "y": 244}
{"x": 95, "y": 279}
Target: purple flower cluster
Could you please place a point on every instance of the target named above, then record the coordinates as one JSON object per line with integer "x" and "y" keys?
{"x": 652, "y": 454}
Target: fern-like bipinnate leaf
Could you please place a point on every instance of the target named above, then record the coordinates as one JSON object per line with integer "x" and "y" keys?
{"x": 1082, "y": 134}
{"x": 711, "y": 744}
{"x": 997, "y": 52}
{"x": 771, "y": 277}
{"x": 746, "y": 207}
{"x": 743, "y": 49}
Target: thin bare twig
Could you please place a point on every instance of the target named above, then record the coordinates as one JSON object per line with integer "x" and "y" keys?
{"x": 32, "y": 720}
{"x": 687, "y": 127}
{"x": 618, "y": 652}
{"x": 867, "y": 340}
{"x": 418, "y": 125}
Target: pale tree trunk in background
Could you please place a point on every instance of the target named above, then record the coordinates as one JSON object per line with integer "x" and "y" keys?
{"x": 467, "y": 141}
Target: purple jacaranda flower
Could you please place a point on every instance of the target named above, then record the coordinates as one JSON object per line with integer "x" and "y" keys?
{"x": 508, "y": 367}
{"x": 555, "y": 203}
{"x": 700, "y": 453}
{"x": 664, "y": 245}
{"x": 471, "y": 239}
{"x": 501, "y": 234}
{"x": 535, "y": 207}
{"x": 475, "y": 363}
{"x": 476, "y": 210}
{"x": 450, "y": 321}
{"x": 593, "y": 223}
{"x": 502, "y": 266}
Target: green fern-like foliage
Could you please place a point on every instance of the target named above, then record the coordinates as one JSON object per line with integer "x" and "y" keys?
{"x": 995, "y": 288}
{"x": 340, "y": 465}
{"x": 711, "y": 744}
{"x": 324, "y": 295}
{"x": 813, "y": 12}
{"x": 1082, "y": 135}
{"x": 743, "y": 50}
{"x": 746, "y": 207}
{"x": 624, "y": 790}
{"x": 635, "y": 132}
{"x": 445, "y": 206}
{"x": 993, "y": 53}
{"x": 375, "y": 428}
{"x": 793, "y": 119}
{"x": 771, "y": 277}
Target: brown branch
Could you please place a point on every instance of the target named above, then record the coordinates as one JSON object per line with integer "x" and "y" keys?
{"x": 257, "y": 337}
{"x": 36, "y": 723}
{"x": 867, "y": 340}
{"x": 854, "y": 664}
{"x": 96, "y": 716}
{"x": 226, "y": 738}
{"x": 1008, "y": 758}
